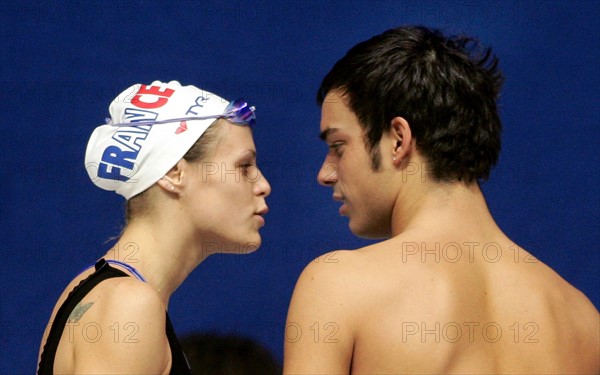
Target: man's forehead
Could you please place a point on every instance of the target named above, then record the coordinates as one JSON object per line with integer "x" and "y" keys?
{"x": 337, "y": 117}
{"x": 336, "y": 96}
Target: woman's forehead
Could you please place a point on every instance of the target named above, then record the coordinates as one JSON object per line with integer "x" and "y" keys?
{"x": 234, "y": 139}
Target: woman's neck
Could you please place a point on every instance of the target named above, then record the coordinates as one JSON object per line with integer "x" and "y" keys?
{"x": 161, "y": 253}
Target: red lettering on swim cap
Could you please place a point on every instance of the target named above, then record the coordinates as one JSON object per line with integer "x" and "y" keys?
{"x": 162, "y": 97}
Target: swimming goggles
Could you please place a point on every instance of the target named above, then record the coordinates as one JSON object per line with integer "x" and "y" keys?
{"x": 237, "y": 112}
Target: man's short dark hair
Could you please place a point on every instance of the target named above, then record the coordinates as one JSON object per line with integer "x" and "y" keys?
{"x": 446, "y": 88}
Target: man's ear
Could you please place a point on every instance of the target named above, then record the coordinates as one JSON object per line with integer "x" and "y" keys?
{"x": 173, "y": 181}
{"x": 402, "y": 138}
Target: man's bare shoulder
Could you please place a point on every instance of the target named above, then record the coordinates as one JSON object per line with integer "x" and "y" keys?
{"x": 325, "y": 274}
{"x": 570, "y": 307}
{"x": 351, "y": 275}
{"x": 321, "y": 321}
{"x": 342, "y": 267}
{"x": 328, "y": 285}
{"x": 383, "y": 262}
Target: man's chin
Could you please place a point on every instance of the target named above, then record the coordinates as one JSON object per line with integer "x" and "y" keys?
{"x": 367, "y": 232}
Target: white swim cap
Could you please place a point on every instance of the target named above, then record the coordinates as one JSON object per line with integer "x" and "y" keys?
{"x": 128, "y": 158}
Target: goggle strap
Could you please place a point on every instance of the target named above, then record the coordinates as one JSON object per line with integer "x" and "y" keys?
{"x": 158, "y": 122}
{"x": 241, "y": 115}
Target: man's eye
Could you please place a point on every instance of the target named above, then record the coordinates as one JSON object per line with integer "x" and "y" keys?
{"x": 336, "y": 147}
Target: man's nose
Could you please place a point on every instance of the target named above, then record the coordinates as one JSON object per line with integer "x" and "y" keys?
{"x": 328, "y": 174}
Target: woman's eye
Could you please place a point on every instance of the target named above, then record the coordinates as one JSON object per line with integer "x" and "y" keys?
{"x": 246, "y": 167}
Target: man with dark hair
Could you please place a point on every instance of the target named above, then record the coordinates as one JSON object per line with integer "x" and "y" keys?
{"x": 411, "y": 123}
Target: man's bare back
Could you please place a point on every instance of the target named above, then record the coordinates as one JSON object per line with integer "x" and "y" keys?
{"x": 477, "y": 307}
{"x": 447, "y": 305}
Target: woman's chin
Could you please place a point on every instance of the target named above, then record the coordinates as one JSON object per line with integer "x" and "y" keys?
{"x": 244, "y": 246}
{"x": 251, "y": 246}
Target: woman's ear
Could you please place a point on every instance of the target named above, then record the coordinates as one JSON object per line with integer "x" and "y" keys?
{"x": 173, "y": 181}
{"x": 402, "y": 138}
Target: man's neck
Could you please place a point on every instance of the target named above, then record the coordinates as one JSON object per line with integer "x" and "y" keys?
{"x": 429, "y": 205}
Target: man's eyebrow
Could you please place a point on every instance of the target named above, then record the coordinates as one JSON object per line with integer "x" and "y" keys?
{"x": 325, "y": 133}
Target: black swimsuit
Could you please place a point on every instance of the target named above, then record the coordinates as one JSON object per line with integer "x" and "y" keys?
{"x": 179, "y": 364}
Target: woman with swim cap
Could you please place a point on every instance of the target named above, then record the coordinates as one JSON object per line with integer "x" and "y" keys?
{"x": 171, "y": 151}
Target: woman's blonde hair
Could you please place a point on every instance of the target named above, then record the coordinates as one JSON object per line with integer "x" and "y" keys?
{"x": 140, "y": 204}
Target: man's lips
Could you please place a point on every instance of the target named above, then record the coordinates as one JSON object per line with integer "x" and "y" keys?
{"x": 340, "y": 198}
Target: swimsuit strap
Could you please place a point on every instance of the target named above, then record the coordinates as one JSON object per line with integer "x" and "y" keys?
{"x": 128, "y": 267}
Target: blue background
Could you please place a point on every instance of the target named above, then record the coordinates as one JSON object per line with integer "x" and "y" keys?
{"x": 63, "y": 62}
